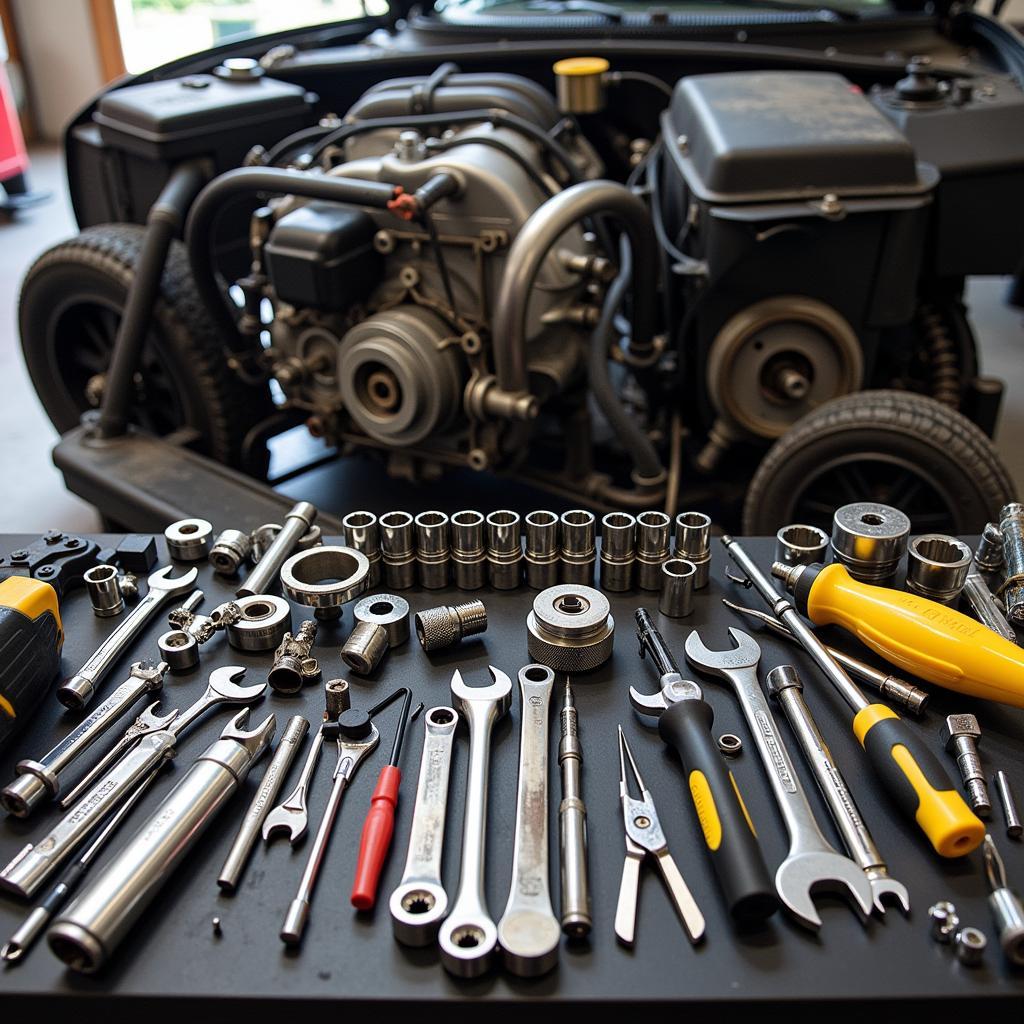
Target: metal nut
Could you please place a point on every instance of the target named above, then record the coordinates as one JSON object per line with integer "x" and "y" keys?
{"x": 261, "y": 624}
{"x": 944, "y": 921}
{"x": 969, "y": 944}
{"x": 387, "y": 610}
{"x": 730, "y": 744}
{"x": 189, "y": 540}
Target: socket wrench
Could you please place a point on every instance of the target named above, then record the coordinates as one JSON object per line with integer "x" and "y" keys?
{"x": 419, "y": 903}
{"x": 528, "y": 931}
{"x": 468, "y": 935}
{"x": 79, "y": 690}
{"x": 40, "y": 780}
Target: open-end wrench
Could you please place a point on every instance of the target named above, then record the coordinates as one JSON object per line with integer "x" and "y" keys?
{"x": 291, "y": 815}
{"x": 784, "y": 685}
{"x": 157, "y": 744}
{"x": 468, "y": 935}
{"x": 528, "y": 931}
{"x": 812, "y": 864}
{"x": 77, "y": 691}
{"x": 39, "y": 780}
{"x": 419, "y": 903}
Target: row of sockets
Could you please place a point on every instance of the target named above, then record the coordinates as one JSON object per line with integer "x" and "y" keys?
{"x": 542, "y": 549}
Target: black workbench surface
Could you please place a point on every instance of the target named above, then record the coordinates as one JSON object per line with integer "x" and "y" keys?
{"x": 352, "y": 956}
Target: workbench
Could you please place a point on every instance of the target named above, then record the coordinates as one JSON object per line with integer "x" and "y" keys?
{"x": 173, "y": 959}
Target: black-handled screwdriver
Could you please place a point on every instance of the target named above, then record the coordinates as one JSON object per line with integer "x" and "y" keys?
{"x": 684, "y": 723}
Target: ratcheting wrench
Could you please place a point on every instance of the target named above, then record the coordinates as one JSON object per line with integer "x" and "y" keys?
{"x": 419, "y": 903}
{"x": 468, "y": 935}
{"x": 784, "y": 685}
{"x": 40, "y": 780}
{"x": 77, "y": 691}
{"x": 812, "y": 862}
{"x": 157, "y": 743}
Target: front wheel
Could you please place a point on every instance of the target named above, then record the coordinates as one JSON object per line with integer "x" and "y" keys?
{"x": 892, "y": 447}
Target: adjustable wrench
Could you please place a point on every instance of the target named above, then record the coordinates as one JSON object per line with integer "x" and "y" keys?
{"x": 528, "y": 931}
{"x": 468, "y": 935}
{"x": 419, "y": 902}
{"x": 77, "y": 691}
{"x": 40, "y": 780}
{"x": 157, "y": 743}
{"x": 784, "y": 685}
{"x": 291, "y": 815}
{"x": 812, "y": 863}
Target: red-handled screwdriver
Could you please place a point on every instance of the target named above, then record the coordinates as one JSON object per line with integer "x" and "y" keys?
{"x": 380, "y": 819}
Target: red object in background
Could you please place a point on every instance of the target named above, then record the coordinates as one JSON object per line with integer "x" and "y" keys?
{"x": 13, "y": 155}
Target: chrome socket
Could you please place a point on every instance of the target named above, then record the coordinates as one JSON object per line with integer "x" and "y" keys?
{"x": 799, "y": 544}
{"x": 678, "y": 580}
{"x": 398, "y": 550}
{"x": 433, "y": 549}
{"x": 618, "y": 551}
{"x": 652, "y": 548}
{"x": 989, "y": 554}
{"x": 180, "y": 649}
{"x": 543, "y": 560}
{"x": 693, "y": 544}
{"x": 570, "y": 628}
{"x": 469, "y": 551}
{"x": 387, "y": 610}
{"x": 361, "y": 531}
{"x": 189, "y": 540}
{"x": 230, "y": 552}
{"x": 104, "y": 589}
{"x": 937, "y": 567}
{"x": 365, "y": 647}
{"x": 444, "y": 626}
{"x": 869, "y": 539}
{"x": 579, "y": 550}
{"x": 504, "y": 550}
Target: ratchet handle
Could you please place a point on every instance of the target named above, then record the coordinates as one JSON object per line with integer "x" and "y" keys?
{"x": 376, "y": 840}
{"x": 917, "y": 781}
{"x": 728, "y": 831}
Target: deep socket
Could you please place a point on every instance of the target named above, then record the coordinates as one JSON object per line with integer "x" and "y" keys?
{"x": 693, "y": 543}
{"x": 579, "y": 551}
{"x": 542, "y": 555}
{"x": 433, "y": 549}
{"x": 652, "y": 548}
{"x": 360, "y": 530}
{"x": 618, "y": 551}
{"x": 469, "y": 550}
{"x": 504, "y": 549}
{"x": 398, "y": 550}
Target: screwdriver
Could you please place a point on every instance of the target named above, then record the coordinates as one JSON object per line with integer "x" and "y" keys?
{"x": 935, "y": 643}
{"x": 905, "y": 766}
{"x": 31, "y": 637}
{"x": 380, "y": 819}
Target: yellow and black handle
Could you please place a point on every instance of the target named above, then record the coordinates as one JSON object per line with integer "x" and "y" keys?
{"x": 31, "y": 638}
{"x": 917, "y": 781}
{"x": 728, "y": 831}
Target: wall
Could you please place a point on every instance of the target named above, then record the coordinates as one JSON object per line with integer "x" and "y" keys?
{"x": 61, "y": 62}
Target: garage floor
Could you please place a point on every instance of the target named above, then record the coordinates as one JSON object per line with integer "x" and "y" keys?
{"x": 35, "y": 498}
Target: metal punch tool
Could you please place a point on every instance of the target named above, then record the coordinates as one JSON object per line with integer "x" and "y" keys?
{"x": 644, "y": 836}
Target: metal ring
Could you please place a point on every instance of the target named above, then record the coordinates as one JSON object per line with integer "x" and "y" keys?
{"x": 324, "y": 578}
{"x": 387, "y": 610}
{"x": 730, "y": 744}
{"x": 265, "y": 620}
{"x": 189, "y": 540}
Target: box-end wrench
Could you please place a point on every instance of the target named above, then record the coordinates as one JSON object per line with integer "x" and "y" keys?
{"x": 39, "y": 780}
{"x": 812, "y": 863}
{"x": 30, "y": 868}
{"x": 468, "y": 936}
{"x": 419, "y": 903}
{"x": 79, "y": 690}
{"x": 784, "y": 685}
{"x": 291, "y": 815}
{"x": 528, "y": 931}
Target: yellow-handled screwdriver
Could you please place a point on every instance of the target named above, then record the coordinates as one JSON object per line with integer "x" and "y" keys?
{"x": 935, "y": 643}
{"x": 906, "y": 767}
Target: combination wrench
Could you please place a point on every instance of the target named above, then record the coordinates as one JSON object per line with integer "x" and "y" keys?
{"x": 39, "y": 780}
{"x": 812, "y": 863}
{"x": 468, "y": 936}
{"x": 419, "y": 902}
{"x": 79, "y": 690}
{"x": 785, "y": 686}
{"x": 528, "y": 931}
{"x": 291, "y": 815}
{"x": 157, "y": 744}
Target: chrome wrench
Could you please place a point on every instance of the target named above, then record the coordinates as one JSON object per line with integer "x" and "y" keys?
{"x": 419, "y": 903}
{"x": 468, "y": 935}
{"x": 812, "y": 863}
{"x": 79, "y": 690}
{"x": 30, "y": 868}
{"x": 528, "y": 931}
{"x": 291, "y": 815}
{"x": 784, "y": 685}
{"x": 39, "y": 780}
